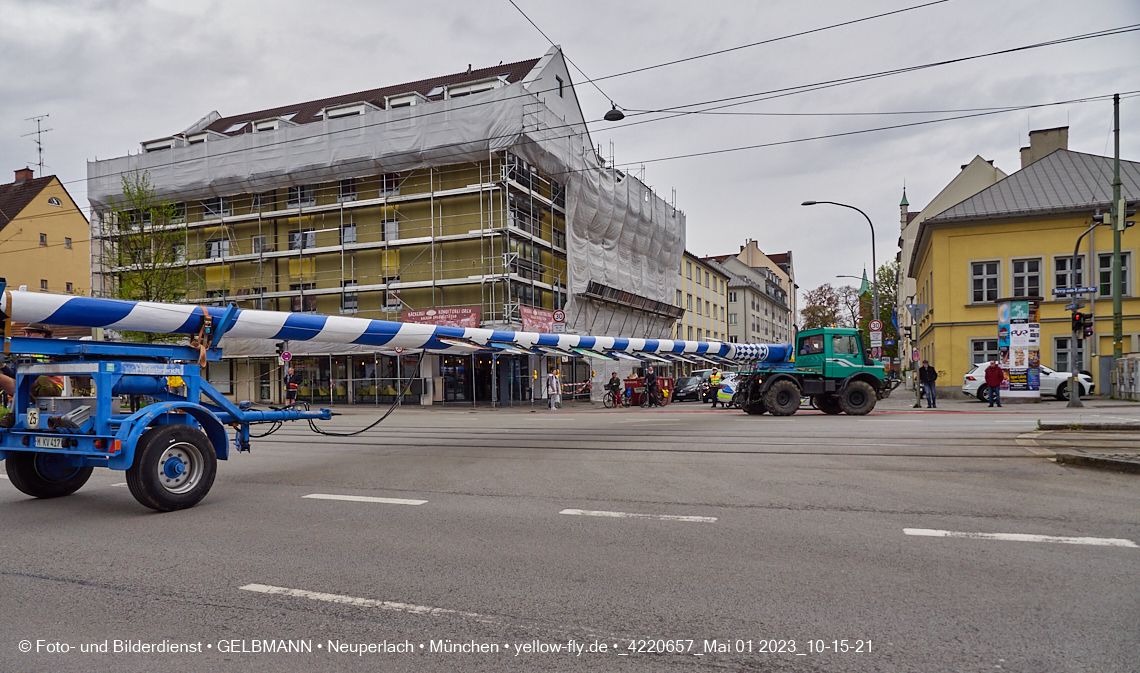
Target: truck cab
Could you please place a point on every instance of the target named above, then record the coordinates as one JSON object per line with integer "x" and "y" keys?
{"x": 830, "y": 367}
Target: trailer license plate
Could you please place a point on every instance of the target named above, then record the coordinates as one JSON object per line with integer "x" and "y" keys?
{"x": 49, "y": 442}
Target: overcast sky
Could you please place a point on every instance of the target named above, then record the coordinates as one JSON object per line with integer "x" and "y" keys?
{"x": 116, "y": 72}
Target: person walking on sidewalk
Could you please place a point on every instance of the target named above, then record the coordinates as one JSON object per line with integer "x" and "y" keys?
{"x": 927, "y": 376}
{"x": 554, "y": 389}
{"x": 994, "y": 377}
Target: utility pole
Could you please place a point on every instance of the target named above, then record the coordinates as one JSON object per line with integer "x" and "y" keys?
{"x": 38, "y": 133}
{"x": 1118, "y": 225}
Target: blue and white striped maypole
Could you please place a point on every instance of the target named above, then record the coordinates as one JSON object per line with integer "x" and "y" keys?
{"x": 54, "y": 309}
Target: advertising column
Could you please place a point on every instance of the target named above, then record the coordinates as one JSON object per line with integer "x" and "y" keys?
{"x": 1019, "y": 348}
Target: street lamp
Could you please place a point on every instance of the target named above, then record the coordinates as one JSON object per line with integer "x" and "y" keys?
{"x": 614, "y": 114}
{"x": 874, "y": 265}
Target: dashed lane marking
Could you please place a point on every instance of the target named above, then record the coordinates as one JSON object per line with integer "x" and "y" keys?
{"x": 364, "y": 498}
{"x": 119, "y": 485}
{"x": 367, "y": 602}
{"x": 1021, "y": 537}
{"x": 635, "y": 515}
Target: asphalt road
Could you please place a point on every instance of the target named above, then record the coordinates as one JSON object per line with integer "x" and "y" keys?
{"x": 634, "y": 530}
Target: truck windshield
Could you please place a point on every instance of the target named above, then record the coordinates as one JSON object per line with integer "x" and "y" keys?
{"x": 812, "y": 345}
{"x": 844, "y": 344}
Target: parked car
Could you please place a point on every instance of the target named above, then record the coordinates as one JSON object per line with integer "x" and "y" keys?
{"x": 688, "y": 388}
{"x": 1053, "y": 383}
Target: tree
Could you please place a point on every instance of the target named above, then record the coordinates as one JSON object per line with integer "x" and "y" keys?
{"x": 850, "y": 307}
{"x": 145, "y": 248}
{"x": 821, "y": 307}
{"x": 887, "y": 279}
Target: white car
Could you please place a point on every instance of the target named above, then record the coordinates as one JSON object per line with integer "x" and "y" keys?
{"x": 1052, "y": 383}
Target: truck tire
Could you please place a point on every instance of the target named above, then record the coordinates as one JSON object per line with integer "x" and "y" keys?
{"x": 45, "y": 475}
{"x": 857, "y": 399}
{"x": 782, "y": 398}
{"x": 174, "y": 468}
{"x": 828, "y": 404}
{"x": 754, "y": 408}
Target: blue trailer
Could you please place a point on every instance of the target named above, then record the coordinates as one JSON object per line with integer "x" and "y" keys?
{"x": 169, "y": 448}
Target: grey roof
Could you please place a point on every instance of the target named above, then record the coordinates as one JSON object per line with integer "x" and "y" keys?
{"x": 1062, "y": 182}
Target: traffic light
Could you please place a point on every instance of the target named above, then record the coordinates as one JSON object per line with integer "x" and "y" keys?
{"x": 908, "y": 332}
{"x": 280, "y": 348}
{"x": 1078, "y": 321}
{"x": 1127, "y": 209}
{"x": 1087, "y": 324}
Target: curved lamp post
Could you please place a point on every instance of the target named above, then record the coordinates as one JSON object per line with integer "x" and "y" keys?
{"x": 874, "y": 265}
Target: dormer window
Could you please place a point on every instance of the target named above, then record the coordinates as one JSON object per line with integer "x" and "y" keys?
{"x": 196, "y": 140}
{"x": 234, "y": 128}
{"x": 158, "y": 145}
{"x": 270, "y": 125}
{"x": 404, "y": 100}
{"x": 469, "y": 88}
{"x": 435, "y": 91}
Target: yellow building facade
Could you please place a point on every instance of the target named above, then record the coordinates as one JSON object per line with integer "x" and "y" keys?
{"x": 44, "y": 237}
{"x": 1016, "y": 239}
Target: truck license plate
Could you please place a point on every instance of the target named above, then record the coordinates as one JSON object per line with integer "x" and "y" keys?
{"x": 49, "y": 442}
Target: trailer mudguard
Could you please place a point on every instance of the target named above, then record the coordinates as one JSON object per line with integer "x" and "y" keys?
{"x": 134, "y": 426}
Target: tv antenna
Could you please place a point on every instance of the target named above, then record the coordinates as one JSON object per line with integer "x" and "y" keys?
{"x": 38, "y": 133}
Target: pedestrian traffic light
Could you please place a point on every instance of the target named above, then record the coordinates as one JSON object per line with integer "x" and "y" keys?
{"x": 280, "y": 348}
{"x": 1127, "y": 210}
{"x": 908, "y": 332}
{"x": 1078, "y": 321}
{"x": 1087, "y": 324}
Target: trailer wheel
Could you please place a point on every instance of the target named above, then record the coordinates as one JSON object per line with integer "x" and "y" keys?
{"x": 783, "y": 398}
{"x": 45, "y": 475}
{"x": 857, "y": 399}
{"x": 754, "y": 408}
{"x": 828, "y": 404}
{"x": 174, "y": 468}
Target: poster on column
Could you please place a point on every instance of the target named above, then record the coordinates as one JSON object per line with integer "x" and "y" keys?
{"x": 1019, "y": 336}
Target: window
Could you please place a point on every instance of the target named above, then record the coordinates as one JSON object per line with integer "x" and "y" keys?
{"x": 732, "y": 339}
{"x": 983, "y": 350}
{"x": 348, "y": 299}
{"x": 560, "y": 84}
{"x": 689, "y": 302}
{"x": 698, "y": 307}
{"x": 392, "y": 230}
{"x": 984, "y": 279}
{"x": 678, "y": 297}
{"x": 218, "y": 247}
{"x": 216, "y": 207}
{"x": 1066, "y": 275}
{"x": 1104, "y": 266}
{"x": 347, "y": 190}
{"x": 389, "y": 184}
{"x": 560, "y": 239}
{"x": 1062, "y": 351}
{"x": 732, "y": 297}
{"x": 707, "y": 311}
{"x": 264, "y": 201}
{"x": 731, "y": 318}
{"x": 259, "y": 244}
{"x": 53, "y": 201}
{"x": 178, "y": 216}
{"x": 1027, "y": 278}
{"x": 43, "y": 239}
{"x": 233, "y": 128}
{"x": 690, "y": 333}
{"x": 301, "y": 195}
{"x": 348, "y": 234}
{"x": 43, "y": 285}
{"x": 69, "y": 288}
{"x": 689, "y": 270}
{"x": 844, "y": 344}
{"x": 812, "y": 345}
{"x": 706, "y": 278}
{"x": 179, "y": 252}
{"x": 306, "y": 303}
{"x": 302, "y": 239}
{"x": 700, "y": 334}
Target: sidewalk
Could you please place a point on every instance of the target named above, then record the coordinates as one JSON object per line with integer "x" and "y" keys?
{"x": 1117, "y": 450}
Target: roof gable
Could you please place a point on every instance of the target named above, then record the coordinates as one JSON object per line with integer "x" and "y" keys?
{"x": 14, "y": 197}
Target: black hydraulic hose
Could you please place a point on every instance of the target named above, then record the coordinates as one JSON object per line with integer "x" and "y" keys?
{"x": 395, "y": 403}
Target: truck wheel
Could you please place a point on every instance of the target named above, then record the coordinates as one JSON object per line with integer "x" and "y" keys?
{"x": 828, "y": 404}
{"x": 45, "y": 475}
{"x": 857, "y": 399}
{"x": 754, "y": 408}
{"x": 174, "y": 468}
{"x": 782, "y": 399}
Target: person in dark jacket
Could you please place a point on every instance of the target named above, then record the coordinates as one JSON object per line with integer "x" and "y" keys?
{"x": 292, "y": 382}
{"x": 994, "y": 377}
{"x": 927, "y": 376}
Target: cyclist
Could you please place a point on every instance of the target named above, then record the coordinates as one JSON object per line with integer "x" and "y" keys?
{"x": 614, "y": 388}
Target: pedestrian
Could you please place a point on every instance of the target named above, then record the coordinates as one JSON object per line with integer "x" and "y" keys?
{"x": 994, "y": 377}
{"x": 651, "y": 387}
{"x": 927, "y": 376}
{"x": 554, "y": 389}
{"x": 292, "y": 382}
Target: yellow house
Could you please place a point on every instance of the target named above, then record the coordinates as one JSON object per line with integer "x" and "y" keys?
{"x": 1016, "y": 239}
{"x": 43, "y": 237}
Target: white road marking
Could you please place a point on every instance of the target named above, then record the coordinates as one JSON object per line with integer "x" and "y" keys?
{"x": 119, "y": 485}
{"x": 367, "y": 602}
{"x": 1020, "y": 537}
{"x": 631, "y": 515}
{"x": 364, "y": 498}
{"x": 3, "y": 476}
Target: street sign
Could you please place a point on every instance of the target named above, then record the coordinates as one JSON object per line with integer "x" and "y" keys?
{"x": 560, "y": 316}
{"x": 876, "y": 339}
{"x": 1075, "y": 306}
{"x": 888, "y": 342}
{"x": 286, "y": 356}
{"x": 1066, "y": 291}
{"x": 876, "y": 352}
{"x": 398, "y": 350}
{"x": 876, "y": 325}
{"x": 559, "y": 328}
{"x": 914, "y": 355}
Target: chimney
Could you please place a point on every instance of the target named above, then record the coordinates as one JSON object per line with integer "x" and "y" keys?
{"x": 1043, "y": 142}
{"x": 24, "y": 174}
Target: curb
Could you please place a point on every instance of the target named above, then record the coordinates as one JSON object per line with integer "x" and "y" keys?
{"x": 1104, "y": 463}
{"x": 1090, "y": 426}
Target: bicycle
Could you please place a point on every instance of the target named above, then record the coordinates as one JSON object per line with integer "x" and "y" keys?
{"x": 613, "y": 399}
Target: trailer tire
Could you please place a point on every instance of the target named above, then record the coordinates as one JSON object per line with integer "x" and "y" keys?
{"x": 754, "y": 408}
{"x": 857, "y": 399}
{"x": 45, "y": 475}
{"x": 174, "y": 468}
{"x": 783, "y": 398}
{"x": 828, "y": 404}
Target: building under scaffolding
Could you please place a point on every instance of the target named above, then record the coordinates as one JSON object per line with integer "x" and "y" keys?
{"x": 476, "y": 198}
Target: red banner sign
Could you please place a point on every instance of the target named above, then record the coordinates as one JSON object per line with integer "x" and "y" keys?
{"x": 536, "y": 319}
{"x": 458, "y": 316}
